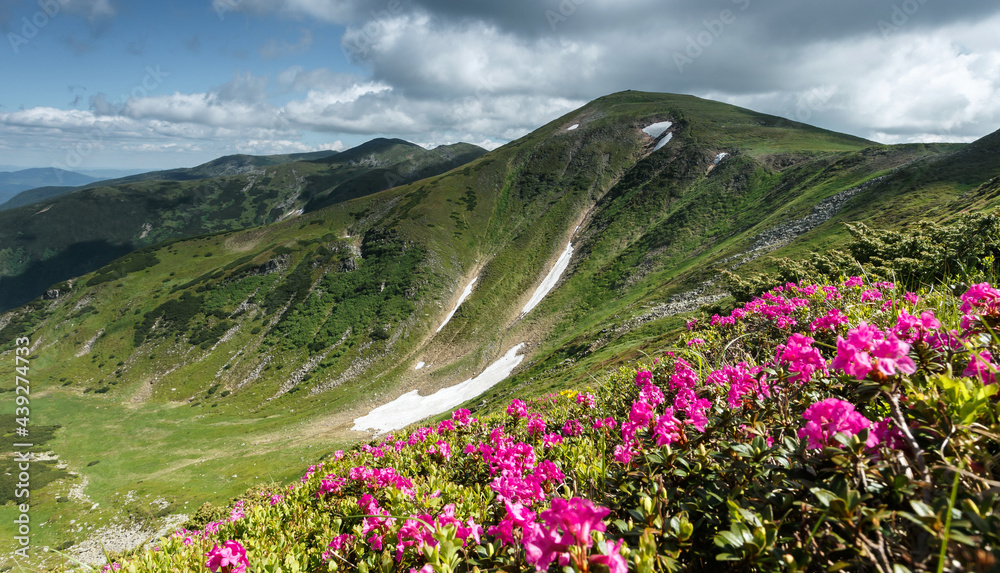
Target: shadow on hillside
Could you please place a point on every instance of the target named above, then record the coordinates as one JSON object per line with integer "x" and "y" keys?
{"x": 80, "y": 258}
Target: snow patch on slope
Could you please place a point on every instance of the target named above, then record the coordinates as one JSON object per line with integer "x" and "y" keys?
{"x": 461, "y": 299}
{"x": 550, "y": 280}
{"x": 664, "y": 141}
{"x": 412, "y": 407}
{"x": 657, "y": 129}
{"x": 572, "y": 127}
{"x": 419, "y": 365}
{"x": 720, "y": 157}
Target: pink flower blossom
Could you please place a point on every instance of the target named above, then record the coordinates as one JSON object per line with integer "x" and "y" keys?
{"x": 668, "y": 428}
{"x": 979, "y": 301}
{"x": 624, "y": 453}
{"x": 549, "y": 440}
{"x": 801, "y": 358}
{"x": 588, "y": 400}
{"x": 518, "y": 408}
{"x": 891, "y": 356}
{"x": 611, "y": 557}
{"x": 888, "y": 434}
{"x": 572, "y": 428}
{"x": 830, "y": 321}
{"x": 536, "y": 424}
{"x": 832, "y": 416}
{"x": 565, "y": 526}
{"x": 230, "y": 558}
{"x": 643, "y": 378}
{"x": 577, "y": 517}
{"x": 982, "y": 367}
{"x": 461, "y": 417}
{"x": 871, "y": 294}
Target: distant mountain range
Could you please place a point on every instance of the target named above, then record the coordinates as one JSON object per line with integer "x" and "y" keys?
{"x": 14, "y": 182}
{"x": 49, "y": 234}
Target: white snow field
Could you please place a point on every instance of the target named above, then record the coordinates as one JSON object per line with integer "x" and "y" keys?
{"x": 572, "y": 127}
{"x": 419, "y": 365}
{"x": 657, "y": 129}
{"x": 412, "y": 407}
{"x": 720, "y": 157}
{"x": 465, "y": 295}
{"x": 550, "y": 280}
{"x": 664, "y": 141}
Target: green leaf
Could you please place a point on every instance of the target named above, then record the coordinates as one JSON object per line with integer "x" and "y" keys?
{"x": 824, "y": 496}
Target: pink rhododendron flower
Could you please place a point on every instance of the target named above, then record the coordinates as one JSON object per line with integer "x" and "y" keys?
{"x": 871, "y": 294}
{"x": 867, "y": 348}
{"x": 911, "y": 328}
{"x": 441, "y": 448}
{"x": 588, "y": 400}
{"x": 230, "y": 558}
{"x": 518, "y": 408}
{"x": 341, "y": 541}
{"x": 565, "y": 526}
{"x": 696, "y": 413}
{"x": 536, "y": 424}
{"x": 853, "y": 282}
{"x": 891, "y": 356}
{"x": 830, "y": 321}
{"x": 577, "y": 517}
{"x": 888, "y": 434}
{"x": 695, "y": 342}
{"x": 624, "y": 453}
{"x": 684, "y": 376}
{"x": 549, "y": 440}
{"x": 668, "y": 428}
{"x": 643, "y": 378}
{"x": 542, "y": 546}
{"x": 832, "y": 416}
{"x": 982, "y": 367}
{"x": 236, "y": 513}
{"x": 742, "y": 380}
{"x": 979, "y": 301}
{"x": 801, "y": 358}
{"x": 461, "y": 417}
{"x": 611, "y": 557}
{"x": 572, "y": 428}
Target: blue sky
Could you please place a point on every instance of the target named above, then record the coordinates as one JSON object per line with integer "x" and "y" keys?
{"x": 125, "y": 84}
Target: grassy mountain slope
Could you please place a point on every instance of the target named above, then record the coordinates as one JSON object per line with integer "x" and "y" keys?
{"x": 279, "y": 336}
{"x": 75, "y": 233}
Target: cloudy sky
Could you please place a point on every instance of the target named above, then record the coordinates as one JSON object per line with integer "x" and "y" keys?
{"x": 137, "y": 84}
